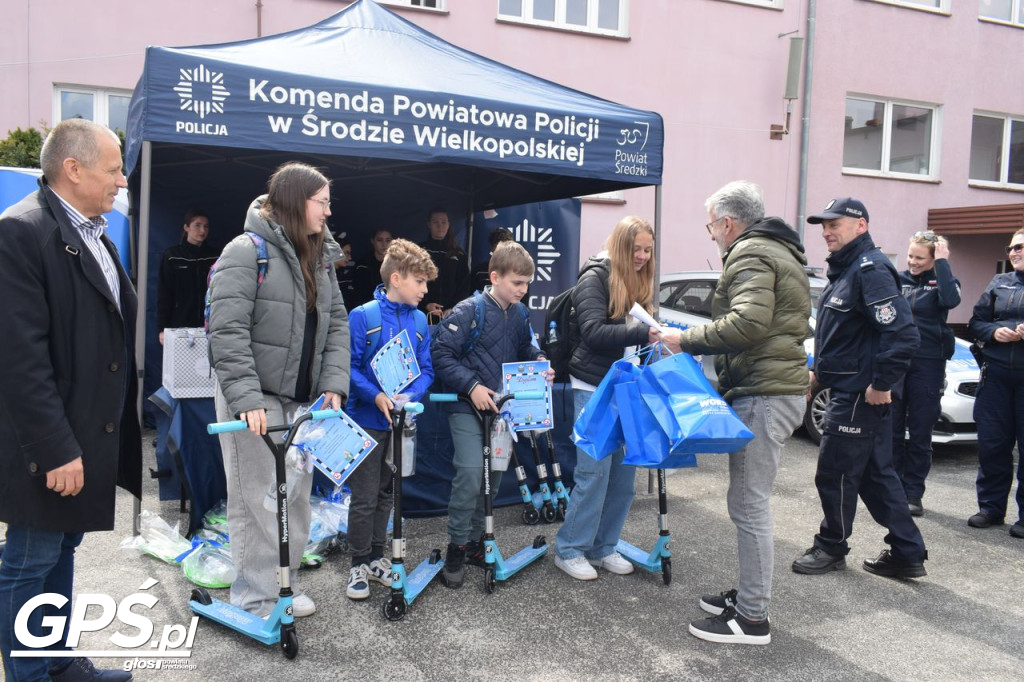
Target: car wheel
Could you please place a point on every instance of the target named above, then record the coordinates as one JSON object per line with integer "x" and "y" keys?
{"x": 814, "y": 418}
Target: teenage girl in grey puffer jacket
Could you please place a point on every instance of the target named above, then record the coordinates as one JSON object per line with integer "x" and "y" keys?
{"x": 275, "y": 345}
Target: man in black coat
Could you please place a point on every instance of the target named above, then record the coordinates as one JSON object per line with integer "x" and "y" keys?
{"x": 69, "y": 428}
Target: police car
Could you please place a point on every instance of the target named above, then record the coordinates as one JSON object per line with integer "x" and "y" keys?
{"x": 684, "y": 300}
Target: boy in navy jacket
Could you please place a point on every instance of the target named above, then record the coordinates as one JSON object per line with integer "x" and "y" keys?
{"x": 473, "y": 368}
{"x": 405, "y": 272}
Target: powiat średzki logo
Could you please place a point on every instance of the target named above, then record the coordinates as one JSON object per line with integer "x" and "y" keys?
{"x": 201, "y": 91}
{"x": 543, "y": 238}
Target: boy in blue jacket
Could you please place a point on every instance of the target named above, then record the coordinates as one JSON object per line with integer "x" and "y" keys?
{"x": 405, "y": 272}
{"x": 470, "y": 363}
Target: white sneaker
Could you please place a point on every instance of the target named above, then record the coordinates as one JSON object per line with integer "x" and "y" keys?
{"x": 302, "y": 606}
{"x": 577, "y": 567}
{"x": 613, "y": 563}
{"x": 379, "y": 571}
{"x": 358, "y": 584}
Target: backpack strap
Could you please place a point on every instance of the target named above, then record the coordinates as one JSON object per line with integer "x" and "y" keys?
{"x": 262, "y": 260}
{"x": 477, "y": 327}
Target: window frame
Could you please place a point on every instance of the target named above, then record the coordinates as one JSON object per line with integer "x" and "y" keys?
{"x": 1016, "y": 19}
{"x": 1004, "y": 150}
{"x": 100, "y": 103}
{"x": 442, "y": 5}
{"x": 945, "y": 7}
{"x": 766, "y": 4}
{"x": 934, "y": 148}
{"x": 559, "y": 24}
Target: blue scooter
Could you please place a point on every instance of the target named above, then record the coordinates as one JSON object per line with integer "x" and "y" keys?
{"x": 279, "y": 626}
{"x": 497, "y": 567}
{"x": 405, "y": 588}
{"x": 659, "y": 558}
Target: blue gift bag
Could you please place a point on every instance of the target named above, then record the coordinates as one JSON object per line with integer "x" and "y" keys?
{"x": 645, "y": 442}
{"x": 689, "y": 411}
{"x": 598, "y": 431}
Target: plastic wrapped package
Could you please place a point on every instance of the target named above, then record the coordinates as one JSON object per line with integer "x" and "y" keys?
{"x": 209, "y": 565}
{"x": 157, "y": 539}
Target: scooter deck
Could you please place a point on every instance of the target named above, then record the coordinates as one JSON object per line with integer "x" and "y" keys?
{"x": 420, "y": 577}
{"x": 648, "y": 560}
{"x": 518, "y": 561}
{"x": 266, "y": 631}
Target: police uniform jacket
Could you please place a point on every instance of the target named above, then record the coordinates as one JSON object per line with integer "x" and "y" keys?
{"x": 67, "y": 381}
{"x": 865, "y": 334}
{"x": 1000, "y": 305}
{"x": 931, "y": 296}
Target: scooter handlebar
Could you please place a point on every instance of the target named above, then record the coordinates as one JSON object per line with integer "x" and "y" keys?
{"x": 444, "y": 397}
{"x": 242, "y": 425}
{"x": 413, "y": 408}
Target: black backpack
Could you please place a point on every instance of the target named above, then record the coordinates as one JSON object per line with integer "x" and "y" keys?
{"x": 558, "y": 347}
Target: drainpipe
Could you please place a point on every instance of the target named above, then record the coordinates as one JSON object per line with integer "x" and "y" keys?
{"x": 805, "y": 121}
{"x": 259, "y": 18}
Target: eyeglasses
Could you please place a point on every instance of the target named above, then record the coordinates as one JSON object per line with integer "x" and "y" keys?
{"x": 1015, "y": 248}
{"x": 712, "y": 223}
{"x": 325, "y": 204}
{"x": 927, "y": 236}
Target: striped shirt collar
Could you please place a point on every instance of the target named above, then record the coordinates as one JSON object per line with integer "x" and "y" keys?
{"x": 92, "y": 226}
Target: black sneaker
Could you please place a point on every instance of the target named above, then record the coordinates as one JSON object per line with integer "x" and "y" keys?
{"x": 475, "y": 553}
{"x": 1016, "y": 531}
{"x": 82, "y": 670}
{"x": 894, "y": 567}
{"x": 983, "y": 520}
{"x": 916, "y": 508}
{"x": 731, "y": 628}
{"x": 454, "y": 571}
{"x": 816, "y": 561}
{"x": 716, "y": 603}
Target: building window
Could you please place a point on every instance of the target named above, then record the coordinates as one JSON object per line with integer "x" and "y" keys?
{"x": 430, "y": 4}
{"x": 605, "y": 17}
{"x": 1009, "y": 11}
{"x": 936, "y": 5}
{"x": 109, "y": 107}
{"x": 997, "y": 150}
{"x": 890, "y": 138}
{"x": 773, "y": 4}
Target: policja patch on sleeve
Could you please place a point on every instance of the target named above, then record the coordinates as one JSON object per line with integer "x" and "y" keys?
{"x": 885, "y": 313}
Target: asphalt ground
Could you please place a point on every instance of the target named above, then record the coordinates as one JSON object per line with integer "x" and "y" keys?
{"x": 964, "y": 621}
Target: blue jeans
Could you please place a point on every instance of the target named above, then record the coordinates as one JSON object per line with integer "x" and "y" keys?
{"x": 34, "y": 562}
{"x": 599, "y": 503}
{"x": 466, "y": 505}
{"x": 752, "y": 472}
{"x": 917, "y": 411}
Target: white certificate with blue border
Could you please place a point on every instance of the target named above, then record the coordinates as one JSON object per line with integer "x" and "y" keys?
{"x": 528, "y": 415}
{"x": 337, "y": 445}
{"x": 395, "y": 364}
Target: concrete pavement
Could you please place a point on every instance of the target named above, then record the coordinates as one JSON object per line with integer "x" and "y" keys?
{"x": 964, "y": 621}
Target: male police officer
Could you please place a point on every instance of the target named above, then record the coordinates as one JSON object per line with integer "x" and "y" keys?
{"x": 863, "y": 342}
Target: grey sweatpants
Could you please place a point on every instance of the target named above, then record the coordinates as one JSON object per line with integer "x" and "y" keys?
{"x": 252, "y": 529}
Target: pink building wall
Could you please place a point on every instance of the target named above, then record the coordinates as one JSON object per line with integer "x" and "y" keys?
{"x": 715, "y": 70}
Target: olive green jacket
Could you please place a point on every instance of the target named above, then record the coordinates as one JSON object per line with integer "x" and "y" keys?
{"x": 759, "y": 313}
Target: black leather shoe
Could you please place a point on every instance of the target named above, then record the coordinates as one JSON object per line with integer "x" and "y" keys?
{"x": 816, "y": 561}
{"x": 916, "y": 508}
{"x": 1017, "y": 530}
{"x": 983, "y": 520}
{"x": 888, "y": 565}
{"x": 82, "y": 670}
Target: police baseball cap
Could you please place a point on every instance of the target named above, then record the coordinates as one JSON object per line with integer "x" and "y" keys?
{"x": 840, "y": 208}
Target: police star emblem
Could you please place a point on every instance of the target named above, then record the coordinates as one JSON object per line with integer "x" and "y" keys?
{"x": 885, "y": 313}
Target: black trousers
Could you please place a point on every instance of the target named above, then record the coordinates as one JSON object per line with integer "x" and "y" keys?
{"x": 856, "y": 459}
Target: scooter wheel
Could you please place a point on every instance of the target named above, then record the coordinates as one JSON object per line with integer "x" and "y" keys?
{"x": 200, "y": 595}
{"x": 562, "y": 506}
{"x": 393, "y": 610}
{"x": 289, "y": 643}
{"x": 539, "y": 541}
{"x": 666, "y": 571}
{"x": 530, "y": 516}
{"x": 435, "y": 556}
{"x": 489, "y": 582}
{"x": 549, "y": 513}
